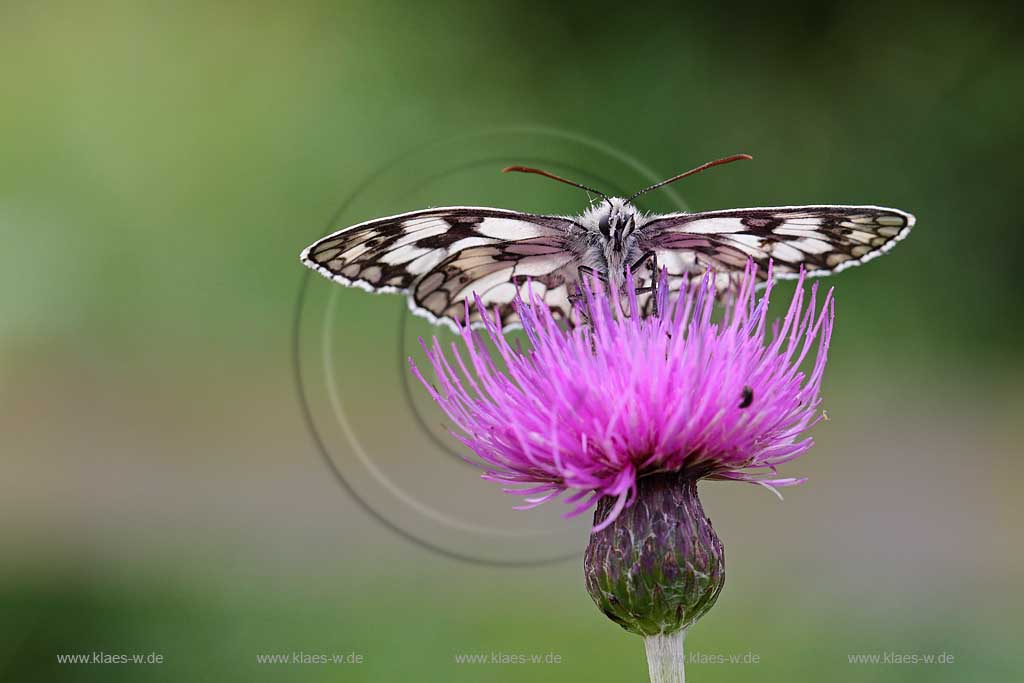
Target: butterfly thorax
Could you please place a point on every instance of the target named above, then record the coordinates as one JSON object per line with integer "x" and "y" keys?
{"x": 612, "y": 228}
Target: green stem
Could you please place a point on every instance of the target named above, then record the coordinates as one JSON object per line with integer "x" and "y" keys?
{"x": 665, "y": 658}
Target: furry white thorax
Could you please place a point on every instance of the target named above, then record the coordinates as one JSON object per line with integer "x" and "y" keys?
{"x": 613, "y": 228}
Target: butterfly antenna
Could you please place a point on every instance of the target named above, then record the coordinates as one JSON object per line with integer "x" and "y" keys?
{"x": 537, "y": 171}
{"x": 703, "y": 167}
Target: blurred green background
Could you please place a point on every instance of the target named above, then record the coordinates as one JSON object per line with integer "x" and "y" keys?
{"x": 164, "y": 163}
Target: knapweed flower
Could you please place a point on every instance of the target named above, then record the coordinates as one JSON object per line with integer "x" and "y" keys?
{"x": 627, "y": 412}
{"x": 591, "y": 409}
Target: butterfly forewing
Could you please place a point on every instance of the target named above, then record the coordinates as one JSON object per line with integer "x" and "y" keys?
{"x": 443, "y": 257}
{"x": 817, "y": 239}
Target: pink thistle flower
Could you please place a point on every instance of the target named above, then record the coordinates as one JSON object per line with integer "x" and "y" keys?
{"x": 590, "y": 409}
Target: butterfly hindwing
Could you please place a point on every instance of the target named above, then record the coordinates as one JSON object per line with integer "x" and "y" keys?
{"x": 538, "y": 266}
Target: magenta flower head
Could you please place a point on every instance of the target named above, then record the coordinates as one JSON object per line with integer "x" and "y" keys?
{"x": 592, "y": 409}
{"x": 626, "y": 412}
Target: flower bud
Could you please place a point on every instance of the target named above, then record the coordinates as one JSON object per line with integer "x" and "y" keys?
{"x": 658, "y": 567}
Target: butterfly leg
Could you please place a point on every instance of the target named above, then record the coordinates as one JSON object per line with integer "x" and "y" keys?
{"x": 581, "y": 273}
{"x": 655, "y": 273}
{"x": 587, "y": 271}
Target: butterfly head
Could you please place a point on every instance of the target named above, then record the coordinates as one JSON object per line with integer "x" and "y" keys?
{"x": 613, "y": 227}
{"x": 615, "y": 223}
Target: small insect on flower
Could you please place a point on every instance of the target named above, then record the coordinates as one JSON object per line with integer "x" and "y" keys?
{"x": 748, "y": 397}
{"x": 590, "y": 409}
{"x": 442, "y": 258}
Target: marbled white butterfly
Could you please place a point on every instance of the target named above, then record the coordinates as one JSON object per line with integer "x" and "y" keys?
{"x": 441, "y": 257}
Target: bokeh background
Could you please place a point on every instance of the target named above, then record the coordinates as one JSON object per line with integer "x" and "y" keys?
{"x": 161, "y": 166}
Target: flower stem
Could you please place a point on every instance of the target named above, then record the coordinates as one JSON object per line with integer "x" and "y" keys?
{"x": 665, "y": 658}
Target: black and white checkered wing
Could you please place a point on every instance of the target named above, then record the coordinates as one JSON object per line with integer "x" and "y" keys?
{"x": 443, "y": 257}
{"x": 819, "y": 239}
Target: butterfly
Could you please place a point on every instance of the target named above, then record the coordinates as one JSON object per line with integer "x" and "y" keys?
{"x": 443, "y": 257}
